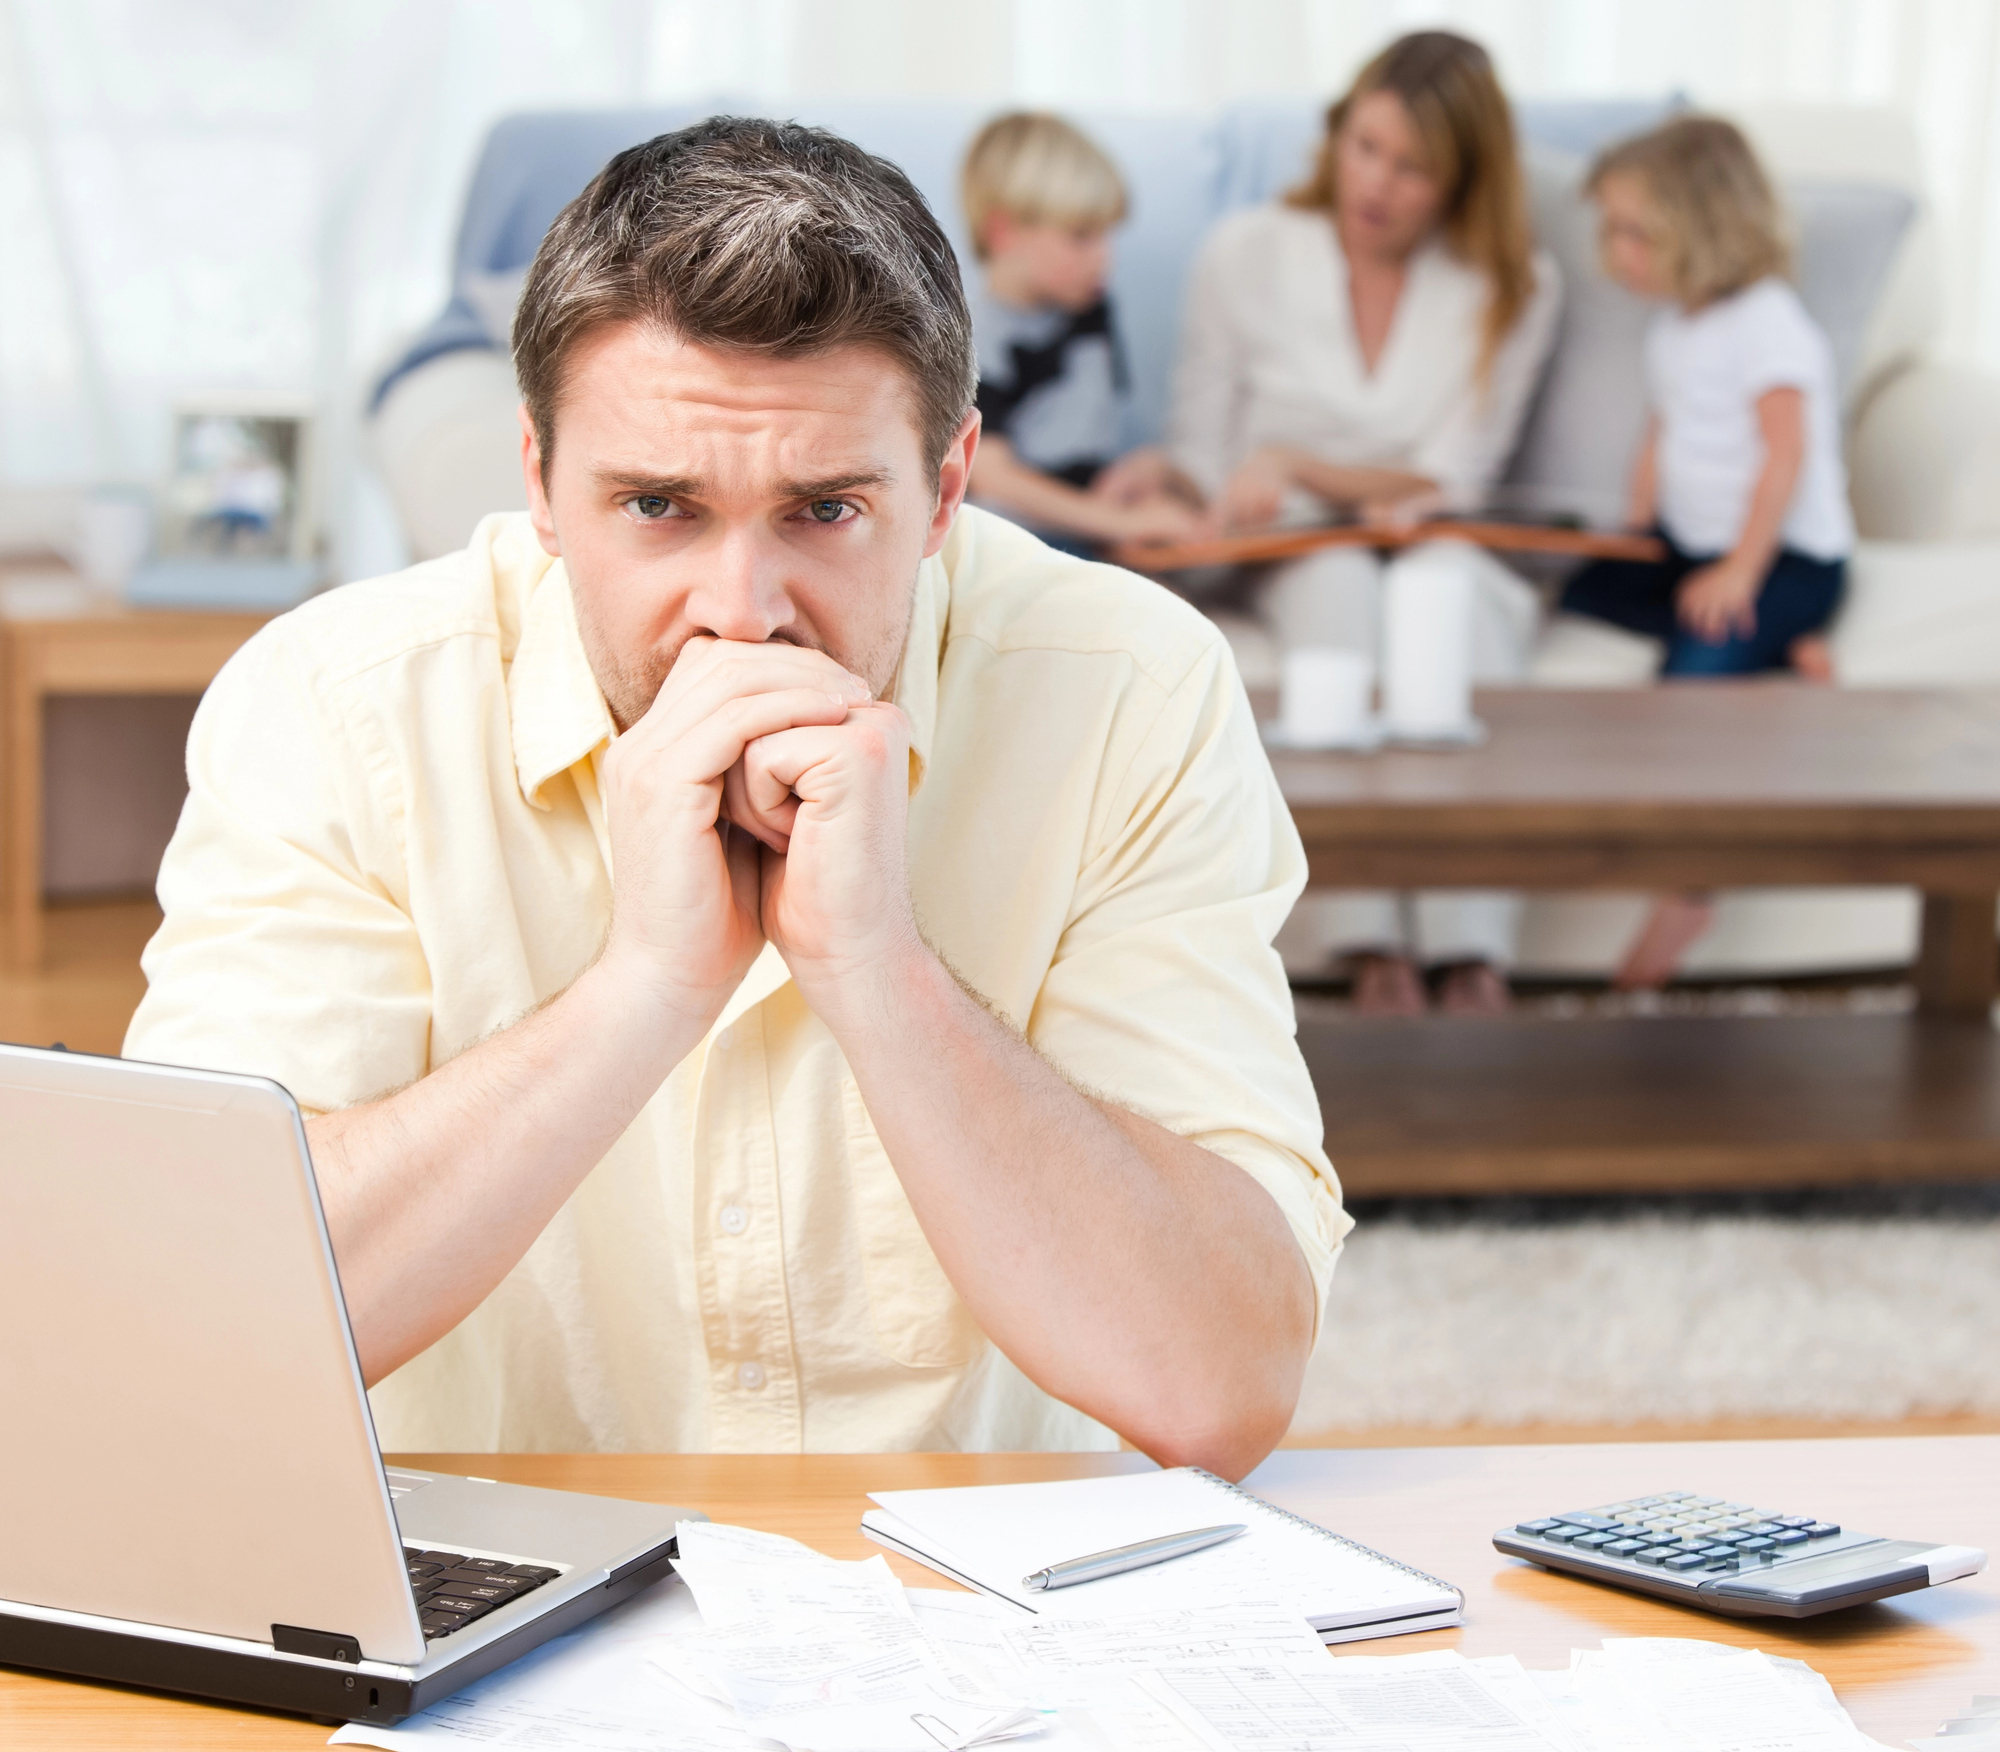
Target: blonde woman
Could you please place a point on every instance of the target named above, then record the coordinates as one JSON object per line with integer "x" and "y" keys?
{"x": 1740, "y": 470}
{"x": 1364, "y": 344}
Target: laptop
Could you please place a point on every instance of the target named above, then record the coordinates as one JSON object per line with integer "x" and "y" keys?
{"x": 191, "y": 1497}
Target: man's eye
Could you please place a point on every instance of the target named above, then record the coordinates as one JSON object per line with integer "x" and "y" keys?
{"x": 651, "y": 507}
{"x": 830, "y": 510}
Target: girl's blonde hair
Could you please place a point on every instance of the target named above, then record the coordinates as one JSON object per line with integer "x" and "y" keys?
{"x": 1448, "y": 86}
{"x": 1038, "y": 169}
{"x": 1721, "y": 226}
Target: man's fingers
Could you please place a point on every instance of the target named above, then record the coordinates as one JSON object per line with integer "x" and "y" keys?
{"x": 723, "y": 671}
{"x": 868, "y": 738}
{"x": 709, "y": 748}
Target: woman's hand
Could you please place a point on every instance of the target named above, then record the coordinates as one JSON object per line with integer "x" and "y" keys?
{"x": 1138, "y": 474}
{"x": 1156, "y": 519}
{"x": 1403, "y": 510}
{"x": 1255, "y": 493}
{"x": 1719, "y": 600}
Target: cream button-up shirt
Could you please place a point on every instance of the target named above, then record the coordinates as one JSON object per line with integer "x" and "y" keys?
{"x": 394, "y": 845}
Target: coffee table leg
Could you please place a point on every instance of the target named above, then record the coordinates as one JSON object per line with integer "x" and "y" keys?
{"x": 1958, "y": 958}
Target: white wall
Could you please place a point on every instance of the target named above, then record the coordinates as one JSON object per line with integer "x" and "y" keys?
{"x": 205, "y": 195}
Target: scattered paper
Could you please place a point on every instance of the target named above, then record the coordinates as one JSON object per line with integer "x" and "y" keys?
{"x": 771, "y": 1647}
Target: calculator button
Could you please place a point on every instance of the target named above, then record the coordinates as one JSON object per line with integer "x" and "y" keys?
{"x": 1822, "y": 1529}
{"x": 1562, "y": 1533}
{"x": 1790, "y": 1537}
{"x": 1655, "y": 1554}
{"x": 1535, "y": 1526}
{"x": 1686, "y": 1560}
{"x": 1591, "y": 1542}
{"x": 1760, "y": 1543}
{"x": 1588, "y": 1523}
{"x": 1764, "y": 1529}
{"x": 1624, "y": 1547}
{"x": 1793, "y": 1520}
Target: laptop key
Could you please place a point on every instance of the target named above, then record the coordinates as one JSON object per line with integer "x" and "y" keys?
{"x": 443, "y": 1623}
{"x": 457, "y": 1603}
{"x": 419, "y": 1570}
{"x": 493, "y": 1596}
{"x": 487, "y": 1565}
{"x": 450, "y": 1559}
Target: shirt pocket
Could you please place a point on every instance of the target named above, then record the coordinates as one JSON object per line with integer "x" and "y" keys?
{"x": 919, "y": 1319}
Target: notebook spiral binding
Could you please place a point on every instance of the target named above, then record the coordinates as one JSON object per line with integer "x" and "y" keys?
{"x": 1251, "y": 1497}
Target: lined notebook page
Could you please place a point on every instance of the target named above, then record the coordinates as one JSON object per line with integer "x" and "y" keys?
{"x": 997, "y": 1534}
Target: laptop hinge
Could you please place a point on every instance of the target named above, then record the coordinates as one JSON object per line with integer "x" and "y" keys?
{"x": 322, "y": 1645}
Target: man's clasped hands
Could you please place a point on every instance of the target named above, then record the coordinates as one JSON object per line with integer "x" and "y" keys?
{"x": 763, "y": 797}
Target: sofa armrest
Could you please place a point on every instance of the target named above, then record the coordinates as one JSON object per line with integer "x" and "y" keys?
{"x": 1924, "y": 456}
{"x": 447, "y": 440}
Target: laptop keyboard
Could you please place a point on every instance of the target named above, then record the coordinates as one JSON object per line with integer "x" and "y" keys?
{"x": 452, "y": 1589}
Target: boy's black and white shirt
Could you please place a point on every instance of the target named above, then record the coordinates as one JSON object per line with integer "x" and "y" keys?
{"x": 1052, "y": 382}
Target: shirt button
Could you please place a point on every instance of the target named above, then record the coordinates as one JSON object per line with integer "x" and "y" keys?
{"x": 734, "y": 1219}
{"x": 751, "y": 1375}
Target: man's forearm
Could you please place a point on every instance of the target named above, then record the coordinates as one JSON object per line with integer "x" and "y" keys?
{"x": 434, "y": 1193}
{"x": 1127, "y": 1271}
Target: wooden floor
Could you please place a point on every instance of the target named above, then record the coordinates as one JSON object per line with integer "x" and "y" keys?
{"x": 86, "y": 992}
{"x": 1442, "y": 1105}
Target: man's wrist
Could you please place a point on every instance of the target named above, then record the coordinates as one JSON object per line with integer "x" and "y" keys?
{"x": 627, "y": 992}
{"x": 862, "y": 999}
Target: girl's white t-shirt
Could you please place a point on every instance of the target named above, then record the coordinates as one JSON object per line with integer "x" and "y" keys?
{"x": 1705, "y": 370}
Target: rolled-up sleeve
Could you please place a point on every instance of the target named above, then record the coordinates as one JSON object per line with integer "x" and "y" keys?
{"x": 287, "y": 949}
{"x": 1166, "y": 996}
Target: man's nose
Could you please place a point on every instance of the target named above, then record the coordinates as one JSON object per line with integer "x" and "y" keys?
{"x": 741, "y": 590}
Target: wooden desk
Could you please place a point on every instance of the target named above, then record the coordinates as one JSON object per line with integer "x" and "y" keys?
{"x": 1717, "y": 784}
{"x": 112, "y": 650}
{"x": 1899, "y": 1666}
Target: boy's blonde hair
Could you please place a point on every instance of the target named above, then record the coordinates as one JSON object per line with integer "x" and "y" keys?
{"x": 1721, "y": 225}
{"x": 1038, "y": 169}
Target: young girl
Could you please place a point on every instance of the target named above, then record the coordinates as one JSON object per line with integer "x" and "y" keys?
{"x": 1740, "y": 471}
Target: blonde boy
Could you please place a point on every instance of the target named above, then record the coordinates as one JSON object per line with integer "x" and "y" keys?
{"x": 1040, "y": 201}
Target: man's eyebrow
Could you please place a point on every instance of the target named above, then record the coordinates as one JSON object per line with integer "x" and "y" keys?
{"x": 841, "y": 483}
{"x": 661, "y": 486}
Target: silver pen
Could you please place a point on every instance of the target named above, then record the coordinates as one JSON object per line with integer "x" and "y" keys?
{"x": 1130, "y": 1557}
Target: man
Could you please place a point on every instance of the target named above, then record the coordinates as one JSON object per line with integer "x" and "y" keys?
{"x": 773, "y": 963}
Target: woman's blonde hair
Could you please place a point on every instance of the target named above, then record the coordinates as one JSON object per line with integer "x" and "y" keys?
{"x": 1038, "y": 169}
{"x": 1448, "y": 86}
{"x": 1720, "y": 222}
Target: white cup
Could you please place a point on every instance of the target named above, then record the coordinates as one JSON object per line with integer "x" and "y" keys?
{"x": 113, "y": 532}
{"x": 1427, "y": 646}
{"x": 1323, "y": 697}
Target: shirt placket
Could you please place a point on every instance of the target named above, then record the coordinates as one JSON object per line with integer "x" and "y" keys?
{"x": 754, "y": 1397}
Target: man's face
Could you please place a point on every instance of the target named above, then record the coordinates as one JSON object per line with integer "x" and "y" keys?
{"x": 695, "y": 491}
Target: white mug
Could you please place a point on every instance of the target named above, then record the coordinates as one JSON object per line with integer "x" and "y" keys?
{"x": 1323, "y": 697}
{"x": 113, "y": 532}
{"x": 1427, "y": 646}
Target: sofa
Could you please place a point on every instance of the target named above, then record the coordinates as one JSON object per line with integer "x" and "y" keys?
{"x": 1923, "y": 434}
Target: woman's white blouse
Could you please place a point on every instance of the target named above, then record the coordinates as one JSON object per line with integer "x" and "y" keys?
{"x": 1269, "y": 356}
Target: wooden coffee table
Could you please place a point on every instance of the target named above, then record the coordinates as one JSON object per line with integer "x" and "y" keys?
{"x": 1712, "y": 785}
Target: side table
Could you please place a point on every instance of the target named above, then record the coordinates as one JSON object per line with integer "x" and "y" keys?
{"x": 98, "y": 647}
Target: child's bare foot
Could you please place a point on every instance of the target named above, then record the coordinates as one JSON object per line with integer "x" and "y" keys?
{"x": 1674, "y": 924}
{"x": 1812, "y": 657}
{"x": 1387, "y": 985}
{"x": 1474, "y": 988}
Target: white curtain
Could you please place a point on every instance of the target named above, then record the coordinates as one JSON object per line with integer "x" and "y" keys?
{"x": 199, "y": 197}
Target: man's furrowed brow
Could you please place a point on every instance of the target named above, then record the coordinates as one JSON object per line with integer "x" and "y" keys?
{"x": 638, "y": 481}
{"x": 847, "y": 482}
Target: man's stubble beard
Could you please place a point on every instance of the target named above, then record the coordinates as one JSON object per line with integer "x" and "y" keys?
{"x": 630, "y": 687}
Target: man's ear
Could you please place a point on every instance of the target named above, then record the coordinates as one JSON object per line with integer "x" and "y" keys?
{"x": 954, "y": 476}
{"x": 538, "y": 497}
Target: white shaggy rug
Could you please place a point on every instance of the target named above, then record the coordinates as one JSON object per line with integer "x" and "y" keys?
{"x": 1638, "y": 1315}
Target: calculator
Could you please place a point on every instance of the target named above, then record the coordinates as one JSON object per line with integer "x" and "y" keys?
{"x": 1725, "y": 1556}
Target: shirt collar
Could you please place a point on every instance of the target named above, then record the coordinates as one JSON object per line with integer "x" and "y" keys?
{"x": 914, "y": 686}
{"x": 556, "y": 711}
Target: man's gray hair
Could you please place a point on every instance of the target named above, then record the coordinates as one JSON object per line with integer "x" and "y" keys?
{"x": 765, "y": 236}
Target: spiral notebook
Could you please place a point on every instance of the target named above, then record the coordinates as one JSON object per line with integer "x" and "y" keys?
{"x": 991, "y": 1536}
